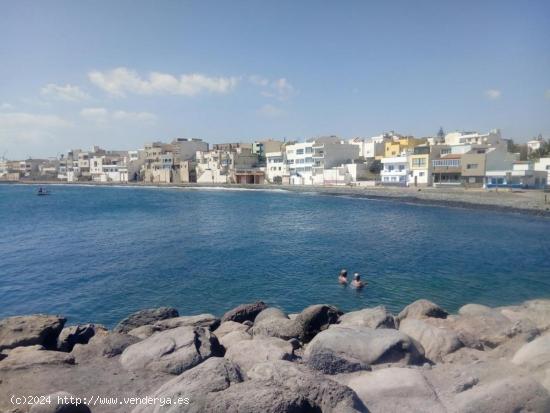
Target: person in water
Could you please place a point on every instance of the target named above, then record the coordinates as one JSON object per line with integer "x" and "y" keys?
{"x": 357, "y": 283}
{"x": 343, "y": 277}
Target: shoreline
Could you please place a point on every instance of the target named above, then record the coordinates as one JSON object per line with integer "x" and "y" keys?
{"x": 530, "y": 202}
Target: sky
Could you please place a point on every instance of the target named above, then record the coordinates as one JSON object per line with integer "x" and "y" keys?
{"x": 121, "y": 73}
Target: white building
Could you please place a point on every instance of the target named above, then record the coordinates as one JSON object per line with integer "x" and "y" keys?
{"x": 543, "y": 164}
{"x": 534, "y": 144}
{"x": 370, "y": 147}
{"x": 395, "y": 170}
{"x": 493, "y": 138}
{"x": 522, "y": 175}
{"x": 276, "y": 167}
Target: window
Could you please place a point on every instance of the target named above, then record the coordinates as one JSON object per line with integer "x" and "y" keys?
{"x": 309, "y": 149}
{"x": 299, "y": 151}
{"x": 445, "y": 151}
{"x": 472, "y": 166}
{"x": 390, "y": 168}
{"x": 309, "y": 159}
{"x": 419, "y": 162}
{"x": 421, "y": 174}
{"x": 401, "y": 168}
{"x": 446, "y": 162}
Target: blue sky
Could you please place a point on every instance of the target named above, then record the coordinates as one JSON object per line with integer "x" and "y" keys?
{"x": 121, "y": 73}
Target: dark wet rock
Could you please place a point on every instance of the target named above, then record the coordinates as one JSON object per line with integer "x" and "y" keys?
{"x": 31, "y": 356}
{"x": 79, "y": 334}
{"x": 247, "y": 353}
{"x": 436, "y": 341}
{"x": 60, "y": 403}
{"x": 244, "y": 312}
{"x": 145, "y": 317}
{"x": 349, "y": 348}
{"x": 422, "y": 309}
{"x": 281, "y": 387}
{"x": 208, "y": 378}
{"x": 172, "y": 351}
{"x": 377, "y": 317}
{"x": 394, "y": 389}
{"x": 38, "y": 329}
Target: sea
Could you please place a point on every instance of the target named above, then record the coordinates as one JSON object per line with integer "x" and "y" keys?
{"x": 96, "y": 253}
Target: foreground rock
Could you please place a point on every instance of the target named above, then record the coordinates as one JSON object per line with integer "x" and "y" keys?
{"x": 30, "y": 330}
{"x": 535, "y": 353}
{"x": 422, "y": 309}
{"x": 436, "y": 341}
{"x": 244, "y": 312}
{"x": 248, "y": 353}
{"x": 377, "y": 317}
{"x": 60, "y": 403}
{"x": 343, "y": 349}
{"x": 31, "y": 356}
{"x": 172, "y": 351}
{"x": 394, "y": 389}
{"x": 202, "y": 320}
{"x": 104, "y": 345}
{"x": 273, "y": 322}
{"x": 282, "y": 386}
{"x": 145, "y": 317}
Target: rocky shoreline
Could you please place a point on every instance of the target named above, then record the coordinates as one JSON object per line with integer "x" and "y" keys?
{"x": 531, "y": 202}
{"x": 259, "y": 359}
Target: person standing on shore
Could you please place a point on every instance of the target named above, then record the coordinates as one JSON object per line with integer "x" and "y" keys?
{"x": 343, "y": 277}
{"x": 357, "y": 283}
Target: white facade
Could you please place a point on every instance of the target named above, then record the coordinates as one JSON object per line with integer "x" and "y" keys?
{"x": 371, "y": 147}
{"x": 543, "y": 164}
{"x": 460, "y": 138}
{"x": 186, "y": 149}
{"x": 299, "y": 158}
{"x": 395, "y": 171}
{"x": 276, "y": 166}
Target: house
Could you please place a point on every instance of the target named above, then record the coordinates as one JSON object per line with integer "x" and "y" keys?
{"x": 543, "y": 164}
{"x": 276, "y": 169}
{"x": 371, "y": 147}
{"x": 420, "y": 167}
{"x": 535, "y": 144}
{"x": 159, "y": 163}
{"x": 395, "y": 170}
{"x": 111, "y": 167}
{"x": 345, "y": 174}
{"x": 236, "y": 164}
{"x": 446, "y": 166}
{"x": 395, "y": 146}
{"x": 328, "y": 153}
{"x": 483, "y": 158}
{"x": 493, "y": 138}
{"x": 522, "y": 175}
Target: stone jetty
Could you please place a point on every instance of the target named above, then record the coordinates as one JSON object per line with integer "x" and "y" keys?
{"x": 257, "y": 358}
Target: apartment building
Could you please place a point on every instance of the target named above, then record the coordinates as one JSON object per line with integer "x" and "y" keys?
{"x": 276, "y": 168}
{"x": 420, "y": 167}
{"x": 395, "y": 170}
{"x": 522, "y": 175}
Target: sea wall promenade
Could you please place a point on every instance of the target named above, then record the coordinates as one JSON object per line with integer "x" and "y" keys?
{"x": 535, "y": 202}
{"x": 257, "y": 358}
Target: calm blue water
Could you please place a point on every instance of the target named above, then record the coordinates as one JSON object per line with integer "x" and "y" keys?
{"x": 97, "y": 254}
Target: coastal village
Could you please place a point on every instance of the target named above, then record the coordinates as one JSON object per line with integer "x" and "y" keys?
{"x": 456, "y": 159}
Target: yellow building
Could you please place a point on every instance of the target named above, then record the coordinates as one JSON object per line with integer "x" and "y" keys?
{"x": 398, "y": 145}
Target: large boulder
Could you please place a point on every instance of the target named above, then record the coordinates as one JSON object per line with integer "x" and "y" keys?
{"x": 314, "y": 319}
{"x": 535, "y": 311}
{"x": 437, "y": 341}
{"x": 376, "y": 317}
{"x": 350, "y": 348}
{"x": 228, "y": 327}
{"x": 32, "y": 356}
{"x": 244, "y": 312}
{"x": 229, "y": 339}
{"x": 474, "y": 309}
{"x": 210, "y": 377}
{"x": 172, "y": 351}
{"x": 60, "y": 402}
{"x": 38, "y": 329}
{"x": 79, "y": 334}
{"x": 490, "y": 329}
{"x": 247, "y": 353}
{"x": 506, "y": 395}
{"x": 393, "y": 389}
{"x": 202, "y": 320}
{"x": 105, "y": 345}
{"x": 535, "y": 353}
{"x": 422, "y": 309}
{"x": 144, "y": 317}
{"x": 282, "y": 386}
{"x": 275, "y": 323}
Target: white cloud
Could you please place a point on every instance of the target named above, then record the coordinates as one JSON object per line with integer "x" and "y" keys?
{"x": 135, "y": 116}
{"x": 280, "y": 89}
{"x": 120, "y": 81}
{"x": 29, "y": 129}
{"x": 67, "y": 93}
{"x": 493, "y": 94}
{"x": 102, "y": 115}
{"x": 270, "y": 111}
{"x": 6, "y": 106}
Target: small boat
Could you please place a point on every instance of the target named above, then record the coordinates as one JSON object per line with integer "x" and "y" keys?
{"x": 42, "y": 191}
